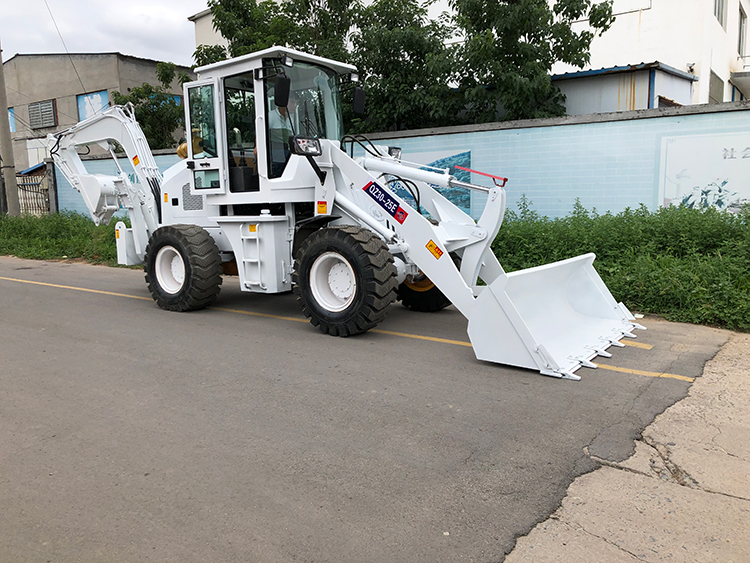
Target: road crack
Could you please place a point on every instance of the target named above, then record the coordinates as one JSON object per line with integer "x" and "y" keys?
{"x": 675, "y": 475}
{"x": 576, "y": 525}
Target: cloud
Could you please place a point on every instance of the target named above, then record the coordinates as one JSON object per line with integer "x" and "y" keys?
{"x": 156, "y": 29}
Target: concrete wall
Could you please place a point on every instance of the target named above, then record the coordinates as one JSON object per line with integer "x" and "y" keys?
{"x": 608, "y": 161}
{"x": 679, "y": 33}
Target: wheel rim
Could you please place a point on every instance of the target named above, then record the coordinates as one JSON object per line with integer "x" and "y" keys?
{"x": 170, "y": 269}
{"x": 419, "y": 283}
{"x": 333, "y": 282}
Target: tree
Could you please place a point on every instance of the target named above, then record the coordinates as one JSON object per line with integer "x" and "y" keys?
{"x": 158, "y": 112}
{"x": 252, "y": 26}
{"x": 207, "y": 54}
{"x": 501, "y": 69}
{"x": 510, "y": 47}
{"x": 323, "y": 26}
{"x": 406, "y": 65}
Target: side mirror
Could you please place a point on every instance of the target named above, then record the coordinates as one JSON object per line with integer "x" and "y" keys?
{"x": 358, "y": 104}
{"x": 281, "y": 89}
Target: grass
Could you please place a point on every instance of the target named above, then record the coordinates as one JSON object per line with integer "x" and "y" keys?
{"x": 686, "y": 265}
{"x": 56, "y": 236}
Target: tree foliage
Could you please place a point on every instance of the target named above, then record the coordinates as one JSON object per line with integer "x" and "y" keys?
{"x": 510, "y": 48}
{"x": 158, "y": 112}
{"x": 407, "y": 66}
{"x": 498, "y": 68}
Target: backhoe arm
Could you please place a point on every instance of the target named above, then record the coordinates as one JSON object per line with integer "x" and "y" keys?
{"x": 104, "y": 195}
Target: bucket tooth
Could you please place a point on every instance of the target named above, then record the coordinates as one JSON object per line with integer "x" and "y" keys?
{"x": 588, "y": 364}
{"x": 569, "y": 375}
{"x": 600, "y": 352}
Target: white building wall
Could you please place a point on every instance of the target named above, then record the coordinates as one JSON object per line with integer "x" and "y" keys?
{"x": 205, "y": 34}
{"x": 684, "y": 34}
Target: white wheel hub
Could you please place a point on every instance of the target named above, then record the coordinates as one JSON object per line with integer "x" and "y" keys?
{"x": 333, "y": 282}
{"x": 170, "y": 269}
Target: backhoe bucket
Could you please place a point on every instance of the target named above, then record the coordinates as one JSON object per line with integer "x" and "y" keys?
{"x": 553, "y": 318}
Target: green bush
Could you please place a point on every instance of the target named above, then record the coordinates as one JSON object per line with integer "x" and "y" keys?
{"x": 56, "y": 236}
{"x": 688, "y": 265}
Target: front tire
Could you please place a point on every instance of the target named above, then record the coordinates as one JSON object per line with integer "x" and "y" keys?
{"x": 183, "y": 268}
{"x": 344, "y": 279}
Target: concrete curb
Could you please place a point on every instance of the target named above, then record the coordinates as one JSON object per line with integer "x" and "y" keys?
{"x": 684, "y": 495}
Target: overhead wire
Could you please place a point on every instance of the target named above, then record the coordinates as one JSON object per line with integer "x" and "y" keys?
{"x": 69, "y": 55}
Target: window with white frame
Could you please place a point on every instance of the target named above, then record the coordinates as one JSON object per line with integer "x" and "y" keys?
{"x": 741, "y": 43}
{"x": 42, "y": 114}
{"x": 720, "y": 11}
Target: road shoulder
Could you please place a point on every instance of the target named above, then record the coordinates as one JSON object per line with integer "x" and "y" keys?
{"x": 684, "y": 495}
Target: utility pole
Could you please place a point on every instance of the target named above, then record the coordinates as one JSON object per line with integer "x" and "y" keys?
{"x": 6, "y": 149}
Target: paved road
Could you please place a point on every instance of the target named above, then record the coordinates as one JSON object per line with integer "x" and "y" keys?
{"x": 131, "y": 434}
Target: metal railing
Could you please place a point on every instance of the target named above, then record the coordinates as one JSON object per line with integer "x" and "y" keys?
{"x": 33, "y": 195}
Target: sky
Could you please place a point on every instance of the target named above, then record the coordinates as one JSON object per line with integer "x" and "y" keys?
{"x": 151, "y": 29}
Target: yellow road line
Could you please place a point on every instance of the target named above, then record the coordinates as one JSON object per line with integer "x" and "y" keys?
{"x": 420, "y": 337}
{"x": 256, "y": 314}
{"x": 377, "y": 330}
{"x": 642, "y": 345}
{"x": 78, "y": 288}
{"x": 646, "y": 373}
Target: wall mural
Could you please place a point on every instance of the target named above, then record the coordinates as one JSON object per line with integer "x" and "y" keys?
{"x": 706, "y": 171}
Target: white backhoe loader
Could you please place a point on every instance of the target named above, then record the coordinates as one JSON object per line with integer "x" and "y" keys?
{"x": 267, "y": 192}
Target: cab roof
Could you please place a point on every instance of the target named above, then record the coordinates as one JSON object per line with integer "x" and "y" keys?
{"x": 237, "y": 64}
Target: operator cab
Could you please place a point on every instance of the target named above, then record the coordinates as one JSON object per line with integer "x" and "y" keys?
{"x": 239, "y": 135}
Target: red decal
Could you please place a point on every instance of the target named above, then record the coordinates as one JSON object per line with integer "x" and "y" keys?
{"x": 400, "y": 215}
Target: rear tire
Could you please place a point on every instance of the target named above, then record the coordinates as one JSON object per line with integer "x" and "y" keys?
{"x": 422, "y": 295}
{"x": 183, "y": 268}
{"x": 344, "y": 279}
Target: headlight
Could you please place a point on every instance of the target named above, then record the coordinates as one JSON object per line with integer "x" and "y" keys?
{"x": 305, "y": 146}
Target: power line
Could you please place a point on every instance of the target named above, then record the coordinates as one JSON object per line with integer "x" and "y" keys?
{"x": 68, "y": 53}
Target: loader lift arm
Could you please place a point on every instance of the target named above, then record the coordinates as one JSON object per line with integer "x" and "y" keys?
{"x": 554, "y": 318}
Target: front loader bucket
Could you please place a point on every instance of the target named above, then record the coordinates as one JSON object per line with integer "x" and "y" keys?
{"x": 553, "y": 318}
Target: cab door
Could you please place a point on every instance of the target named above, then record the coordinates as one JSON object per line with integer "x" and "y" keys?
{"x": 205, "y": 131}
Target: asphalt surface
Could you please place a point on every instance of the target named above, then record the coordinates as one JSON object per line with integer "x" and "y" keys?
{"x": 128, "y": 433}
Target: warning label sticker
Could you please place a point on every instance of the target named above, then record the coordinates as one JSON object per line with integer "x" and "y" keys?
{"x": 387, "y": 202}
{"x": 322, "y": 208}
{"x": 434, "y": 249}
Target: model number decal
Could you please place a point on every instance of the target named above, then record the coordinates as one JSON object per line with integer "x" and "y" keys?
{"x": 384, "y": 200}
